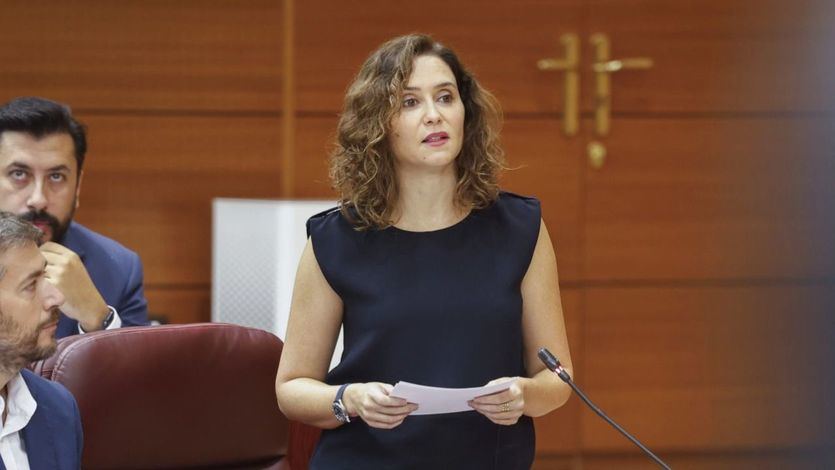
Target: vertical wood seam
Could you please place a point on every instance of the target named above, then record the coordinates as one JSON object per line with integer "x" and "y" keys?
{"x": 288, "y": 124}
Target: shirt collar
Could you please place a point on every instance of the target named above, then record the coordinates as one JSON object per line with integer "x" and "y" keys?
{"x": 21, "y": 405}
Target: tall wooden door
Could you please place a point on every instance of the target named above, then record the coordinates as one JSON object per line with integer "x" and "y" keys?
{"x": 708, "y": 256}
{"x": 695, "y": 257}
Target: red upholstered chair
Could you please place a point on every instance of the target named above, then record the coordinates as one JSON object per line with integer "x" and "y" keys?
{"x": 177, "y": 396}
{"x": 303, "y": 439}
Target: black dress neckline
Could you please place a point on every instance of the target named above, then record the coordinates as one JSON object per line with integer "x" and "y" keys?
{"x": 449, "y": 228}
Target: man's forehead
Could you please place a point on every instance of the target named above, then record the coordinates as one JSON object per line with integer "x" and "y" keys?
{"x": 20, "y": 261}
{"x": 48, "y": 151}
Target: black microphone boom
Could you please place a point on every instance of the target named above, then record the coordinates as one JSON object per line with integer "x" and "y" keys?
{"x": 553, "y": 364}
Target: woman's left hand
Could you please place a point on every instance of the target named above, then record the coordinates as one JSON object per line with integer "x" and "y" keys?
{"x": 503, "y": 407}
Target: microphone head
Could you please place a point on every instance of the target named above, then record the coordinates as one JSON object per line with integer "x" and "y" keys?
{"x": 550, "y": 361}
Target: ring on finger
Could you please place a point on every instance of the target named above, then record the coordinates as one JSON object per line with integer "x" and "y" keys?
{"x": 505, "y": 407}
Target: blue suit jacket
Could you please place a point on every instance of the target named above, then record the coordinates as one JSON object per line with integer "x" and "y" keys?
{"x": 116, "y": 273}
{"x": 53, "y": 437}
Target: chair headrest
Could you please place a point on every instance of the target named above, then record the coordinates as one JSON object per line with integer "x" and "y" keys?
{"x": 173, "y": 396}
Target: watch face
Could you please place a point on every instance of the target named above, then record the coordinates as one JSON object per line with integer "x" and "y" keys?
{"x": 340, "y": 412}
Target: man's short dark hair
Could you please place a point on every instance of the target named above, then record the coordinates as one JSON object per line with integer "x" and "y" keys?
{"x": 40, "y": 117}
{"x": 15, "y": 232}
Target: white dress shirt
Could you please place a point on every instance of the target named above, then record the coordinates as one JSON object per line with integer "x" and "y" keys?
{"x": 21, "y": 407}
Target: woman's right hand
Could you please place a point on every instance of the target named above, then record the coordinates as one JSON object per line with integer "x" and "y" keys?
{"x": 373, "y": 403}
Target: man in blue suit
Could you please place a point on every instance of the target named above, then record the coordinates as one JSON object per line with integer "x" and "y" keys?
{"x": 41, "y": 425}
{"x": 42, "y": 149}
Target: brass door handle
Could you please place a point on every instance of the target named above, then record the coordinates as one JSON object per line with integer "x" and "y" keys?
{"x": 602, "y": 68}
{"x": 637, "y": 63}
{"x": 570, "y": 66}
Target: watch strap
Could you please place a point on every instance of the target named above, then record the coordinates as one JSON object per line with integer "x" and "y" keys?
{"x": 340, "y": 392}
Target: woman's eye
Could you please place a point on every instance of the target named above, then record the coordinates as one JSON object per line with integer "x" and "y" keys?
{"x": 446, "y": 98}
{"x": 409, "y": 102}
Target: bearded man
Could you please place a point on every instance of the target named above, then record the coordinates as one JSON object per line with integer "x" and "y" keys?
{"x": 42, "y": 150}
{"x": 41, "y": 425}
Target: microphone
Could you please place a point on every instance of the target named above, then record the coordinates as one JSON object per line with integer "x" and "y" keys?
{"x": 553, "y": 364}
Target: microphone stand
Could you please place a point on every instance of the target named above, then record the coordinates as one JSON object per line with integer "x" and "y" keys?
{"x": 553, "y": 364}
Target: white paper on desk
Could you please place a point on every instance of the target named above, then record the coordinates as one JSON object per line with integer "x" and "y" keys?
{"x": 436, "y": 400}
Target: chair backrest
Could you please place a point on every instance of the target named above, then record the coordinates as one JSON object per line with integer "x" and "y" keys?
{"x": 303, "y": 440}
{"x": 175, "y": 396}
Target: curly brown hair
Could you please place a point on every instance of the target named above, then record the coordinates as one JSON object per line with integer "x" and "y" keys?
{"x": 362, "y": 167}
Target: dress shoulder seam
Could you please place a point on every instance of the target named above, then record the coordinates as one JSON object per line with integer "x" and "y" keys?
{"x": 325, "y": 213}
{"x": 517, "y": 196}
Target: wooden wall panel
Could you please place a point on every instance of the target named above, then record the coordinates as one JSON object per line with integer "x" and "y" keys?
{"x": 182, "y": 102}
{"x": 713, "y": 198}
{"x": 149, "y": 183}
{"x": 500, "y": 41}
{"x": 144, "y": 55}
{"x": 710, "y": 368}
{"x": 175, "y": 304}
{"x": 314, "y": 141}
{"x": 718, "y": 56}
{"x": 549, "y": 167}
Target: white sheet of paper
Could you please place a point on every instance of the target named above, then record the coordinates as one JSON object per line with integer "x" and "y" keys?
{"x": 437, "y": 400}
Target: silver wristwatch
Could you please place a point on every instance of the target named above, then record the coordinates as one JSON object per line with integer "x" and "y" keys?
{"x": 338, "y": 406}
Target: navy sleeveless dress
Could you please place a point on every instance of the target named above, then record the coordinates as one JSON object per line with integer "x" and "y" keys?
{"x": 440, "y": 308}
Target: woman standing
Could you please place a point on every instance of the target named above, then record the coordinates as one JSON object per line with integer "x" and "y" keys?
{"x": 438, "y": 277}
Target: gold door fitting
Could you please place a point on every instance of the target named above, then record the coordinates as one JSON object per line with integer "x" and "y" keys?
{"x": 624, "y": 64}
{"x": 569, "y": 65}
{"x": 597, "y": 154}
{"x": 602, "y": 68}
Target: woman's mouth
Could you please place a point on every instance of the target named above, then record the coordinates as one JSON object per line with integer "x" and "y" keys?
{"x": 436, "y": 139}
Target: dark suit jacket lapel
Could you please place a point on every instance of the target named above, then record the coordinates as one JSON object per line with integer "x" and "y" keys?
{"x": 39, "y": 437}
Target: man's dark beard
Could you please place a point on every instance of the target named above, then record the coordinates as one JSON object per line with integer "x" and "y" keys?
{"x": 18, "y": 349}
{"x": 58, "y": 229}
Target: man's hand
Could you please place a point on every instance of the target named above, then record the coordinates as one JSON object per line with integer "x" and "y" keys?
{"x": 67, "y": 273}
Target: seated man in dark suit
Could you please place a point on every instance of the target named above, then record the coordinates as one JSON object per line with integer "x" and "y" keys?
{"x": 41, "y": 426}
{"x": 42, "y": 149}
